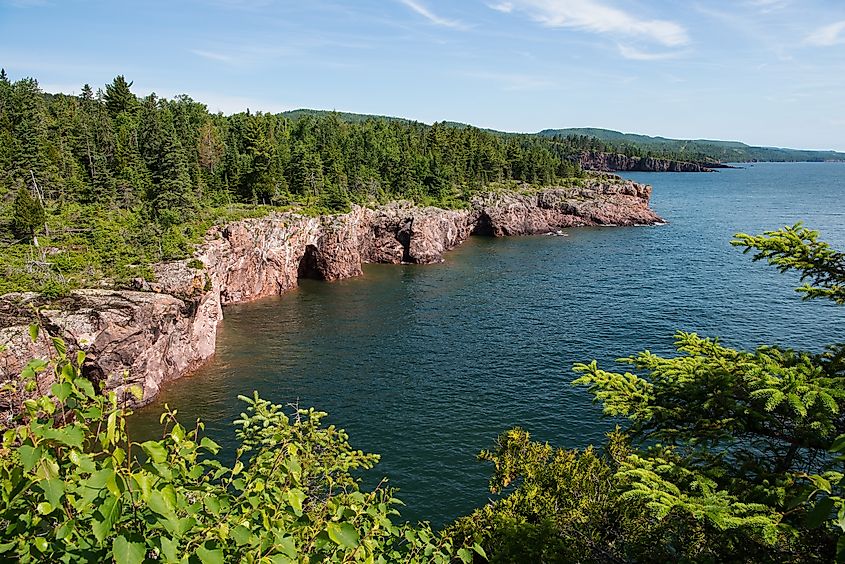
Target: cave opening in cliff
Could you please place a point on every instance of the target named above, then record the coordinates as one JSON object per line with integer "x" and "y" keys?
{"x": 484, "y": 226}
{"x": 309, "y": 264}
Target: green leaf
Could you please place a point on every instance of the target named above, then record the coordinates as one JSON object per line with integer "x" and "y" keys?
{"x": 295, "y": 498}
{"x": 209, "y": 445}
{"x": 465, "y": 556}
{"x": 242, "y": 535}
{"x": 155, "y": 451}
{"x": 70, "y": 435}
{"x": 209, "y": 555}
{"x": 343, "y": 534}
{"x": 161, "y": 504}
{"x": 480, "y": 551}
{"x": 839, "y": 444}
{"x": 105, "y": 517}
{"x": 99, "y": 479}
{"x": 46, "y": 468}
{"x": 212, "y": 504}
{"x": 60, "y": 346}
{"x": 288, "y": 546}
{"x": 53, "y": 489}
{"x": 145, "y": 484}
{"x": 169, "y": 548}
{"x": 111, "y": 427}
{"x": 29, "y": 456}
{"x": 33, "y": 332}
{"x": 86, "y": 386}
{"x": 820, "y": 513}
{"x": 41, "y": 544}
{"x": 61, "y": 390}
{"x": 126, "y": 552}
{"x": 85, "y": 463}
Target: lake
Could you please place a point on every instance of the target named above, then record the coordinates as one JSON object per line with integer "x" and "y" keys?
{"x": 426, "y": 365}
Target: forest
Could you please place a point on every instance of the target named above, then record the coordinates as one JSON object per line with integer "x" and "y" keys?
{"x": 117, "y": 182}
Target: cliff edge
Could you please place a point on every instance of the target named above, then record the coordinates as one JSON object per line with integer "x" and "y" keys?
{"x": 164, "y": 329}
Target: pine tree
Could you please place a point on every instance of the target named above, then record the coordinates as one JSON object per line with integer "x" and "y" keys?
{"x": 119, "y": 97}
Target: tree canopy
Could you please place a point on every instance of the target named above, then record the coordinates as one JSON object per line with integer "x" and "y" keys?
{"x": 150, "y": 174}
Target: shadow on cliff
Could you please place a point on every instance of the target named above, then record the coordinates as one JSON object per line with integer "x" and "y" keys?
{"x": 309, "y": 264}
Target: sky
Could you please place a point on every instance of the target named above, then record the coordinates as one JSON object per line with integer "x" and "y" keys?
{"x": 765, "y": 72}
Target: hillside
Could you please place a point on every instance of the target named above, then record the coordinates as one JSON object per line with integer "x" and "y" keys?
{"x": 697, "y": 149}
{"x": 691, "y": 150}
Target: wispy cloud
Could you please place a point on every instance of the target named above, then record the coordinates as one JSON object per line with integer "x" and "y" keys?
{"x": 514, "y": 81}
{"x": 639, "y": 55}
{"x": 597, "y": 17}
{"x": 768, "y": 5}
{"x": 829, "y": 35}
{"x": 504, "y": 7}
{"x": 297, "y": 50}
{"x": 211, "y": 55}
{"x": 425, "y": 12}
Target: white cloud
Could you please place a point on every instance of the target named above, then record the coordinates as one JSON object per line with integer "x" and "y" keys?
{"x": 597, "y": 17}
{"x": 504, "y": 7}
{"x": 423, "y": 11}
{"x": 639, "y": 55}
{"x": 211, "y": 55}
{"x": 829, "y": 35}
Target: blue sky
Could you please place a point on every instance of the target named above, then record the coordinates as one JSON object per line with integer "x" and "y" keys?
{"x": 766, "y": 72}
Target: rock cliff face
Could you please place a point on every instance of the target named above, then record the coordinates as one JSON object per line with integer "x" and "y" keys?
{"x": 611, "y": 162}
{"x": 167, "y": 328}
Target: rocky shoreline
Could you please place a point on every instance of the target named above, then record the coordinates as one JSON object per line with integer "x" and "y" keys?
{"x": 162, "y": 330}
{"x": 613, "y": 162}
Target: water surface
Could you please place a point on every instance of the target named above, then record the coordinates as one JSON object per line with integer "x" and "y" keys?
{"x": 427, "y": 364}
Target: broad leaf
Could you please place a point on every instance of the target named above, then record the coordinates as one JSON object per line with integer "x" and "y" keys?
{"x": 127, "y": 552}
{"x": 343, "y": 534}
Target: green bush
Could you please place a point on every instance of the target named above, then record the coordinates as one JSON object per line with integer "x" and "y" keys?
{"x": 76, "y": 488}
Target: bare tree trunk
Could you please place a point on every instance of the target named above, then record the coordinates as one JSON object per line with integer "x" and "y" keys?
{"x": 41, "y": 200}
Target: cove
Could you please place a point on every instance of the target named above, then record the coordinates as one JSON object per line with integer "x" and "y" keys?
{"x": 427, "y": 364}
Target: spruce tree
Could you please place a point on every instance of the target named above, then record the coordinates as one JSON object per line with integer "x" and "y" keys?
{"x": 28, "y": 215}
{"x": 119, "y": 97}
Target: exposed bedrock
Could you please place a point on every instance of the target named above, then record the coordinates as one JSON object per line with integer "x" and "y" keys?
{"x": 167, "y": 328}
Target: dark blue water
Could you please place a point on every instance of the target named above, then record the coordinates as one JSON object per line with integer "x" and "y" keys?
{"x": 427, "y": 364}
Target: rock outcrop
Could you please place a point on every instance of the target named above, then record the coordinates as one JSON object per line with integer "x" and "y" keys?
{"x": 614, "y": 162}
{"x": 166, "y": 328}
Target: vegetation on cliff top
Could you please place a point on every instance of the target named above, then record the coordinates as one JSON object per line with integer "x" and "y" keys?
{"x": 722, "y": 456}
{"x": 126, "y": 181}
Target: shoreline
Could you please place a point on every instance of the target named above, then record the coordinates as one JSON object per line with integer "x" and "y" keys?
{"x": 163, "y": 330}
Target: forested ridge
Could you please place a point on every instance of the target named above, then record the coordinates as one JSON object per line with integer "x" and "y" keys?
{"x": 112, "y": 182}
{"x": 689, "y": 150}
